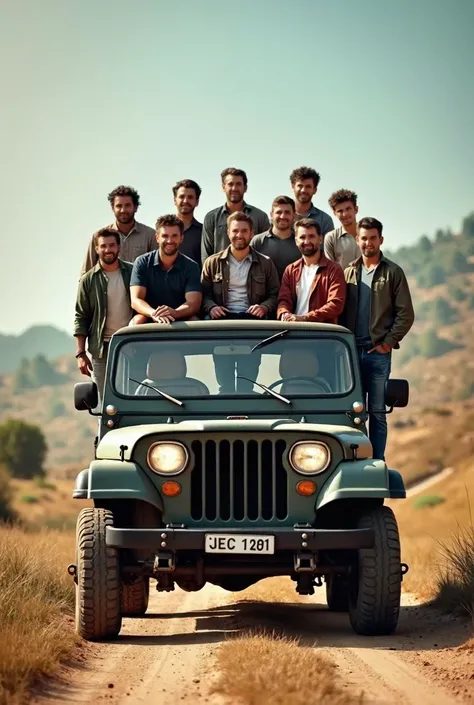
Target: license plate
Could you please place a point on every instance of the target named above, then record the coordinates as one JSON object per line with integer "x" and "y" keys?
{"x": 239, "y": 543}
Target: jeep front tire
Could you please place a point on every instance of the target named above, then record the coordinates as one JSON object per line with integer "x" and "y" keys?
{"x": 375, "y": 584}
{"x": 98, "y": 589}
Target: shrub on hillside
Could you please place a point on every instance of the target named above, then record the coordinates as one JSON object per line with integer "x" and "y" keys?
{"x": 428, "y": 500}
{"x": 430, "y": 345}
{"x": 6, "y": 510}
{"x": 35, "y": 373}
{"x": 430, "y": 275}
{"x": 458, "y": 294}
{"x": 22, "y": 448}
{"x": 442, "y": 313}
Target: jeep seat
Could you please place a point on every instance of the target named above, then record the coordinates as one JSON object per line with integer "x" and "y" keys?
{"x": 167, "y": 371}
{"x": 301, "y": 363}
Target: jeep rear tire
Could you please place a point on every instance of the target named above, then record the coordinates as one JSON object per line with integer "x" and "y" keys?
{"x": 337, "y": 593}
{"x": 135, "y": 597}
{"x": 98, "y": 614}
{"x": 375, "y": 585}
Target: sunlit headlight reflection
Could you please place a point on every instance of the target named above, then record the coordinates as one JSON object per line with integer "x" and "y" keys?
{"x": 167, "y": 458}
{"x": 309, "y": 458}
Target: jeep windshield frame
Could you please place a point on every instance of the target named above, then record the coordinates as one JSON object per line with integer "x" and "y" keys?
{"x": 235, "y": 402}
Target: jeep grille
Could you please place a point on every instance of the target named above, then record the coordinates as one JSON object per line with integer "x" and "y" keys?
{"x": 237, "y": 480}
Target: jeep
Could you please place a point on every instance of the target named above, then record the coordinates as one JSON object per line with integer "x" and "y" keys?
{"x": 228, "y": 452}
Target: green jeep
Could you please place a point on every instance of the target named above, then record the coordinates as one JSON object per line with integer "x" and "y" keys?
{"x": 228, "y": 452}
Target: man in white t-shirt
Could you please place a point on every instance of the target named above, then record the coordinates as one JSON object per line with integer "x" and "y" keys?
{"x": 313, "y": 288}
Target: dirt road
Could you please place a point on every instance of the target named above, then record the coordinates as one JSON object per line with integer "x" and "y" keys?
{"x": 169, "y": 656}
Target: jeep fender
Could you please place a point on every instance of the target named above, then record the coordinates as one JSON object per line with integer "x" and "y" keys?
{"x": 361, "y": 479}
{"x": 109, "y": 479}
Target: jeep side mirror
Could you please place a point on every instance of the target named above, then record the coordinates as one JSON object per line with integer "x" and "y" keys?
{"x": 396, "y": 392}
{"x": 86, "y": 396}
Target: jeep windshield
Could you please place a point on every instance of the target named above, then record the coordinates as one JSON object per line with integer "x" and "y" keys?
{"x": 292, "y": 365}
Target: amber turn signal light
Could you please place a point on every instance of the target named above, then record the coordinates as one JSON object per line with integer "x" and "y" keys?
{"x": 306, "y": 488}
{"x": 171, "y": 488}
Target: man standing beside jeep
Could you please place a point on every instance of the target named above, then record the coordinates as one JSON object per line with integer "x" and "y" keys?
{"x": 379, "y": 311}
{"x": 102, "y": 306}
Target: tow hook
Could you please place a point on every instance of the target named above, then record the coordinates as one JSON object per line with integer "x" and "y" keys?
{"x": 404, "y": 569}
{"x": 72, "y": 570}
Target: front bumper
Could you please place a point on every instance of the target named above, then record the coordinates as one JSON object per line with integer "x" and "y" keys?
{"x": 286, "y": 539}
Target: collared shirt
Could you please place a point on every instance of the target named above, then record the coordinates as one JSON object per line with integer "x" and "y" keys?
{"x": 214, "y": 228}
{"x": 282, "y": 251}
{"x": 139, "y": 240}
{"x": 166, "y": 287}
{"x": 238, "y": 299}
{"x": 191, "y": 245}
{"x": 341, "y": 247}
{"x": 323, "y": 219}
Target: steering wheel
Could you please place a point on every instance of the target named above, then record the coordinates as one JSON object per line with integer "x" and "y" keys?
{"x": 318, "y": 382}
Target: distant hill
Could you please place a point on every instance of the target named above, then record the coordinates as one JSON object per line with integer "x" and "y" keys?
{"x": 38, "y": 340}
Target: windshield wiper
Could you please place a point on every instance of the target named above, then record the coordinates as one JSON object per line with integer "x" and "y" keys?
{"x": 267, "y": 389}
{"x": 269, "y": 341}
{"x": 155, "y": 389}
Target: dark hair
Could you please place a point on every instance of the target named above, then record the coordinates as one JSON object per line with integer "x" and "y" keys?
{"x": 169, "y": 219}
{"x": 369, "y": 224}
{"x": 124, "y": 191}
{"x": 283, "y": 201}
{"x": 307, "y": 223}
{"x": 187, "y": 183}
{"x": 239, "y": 215}
{"x": 230, "y": 171}
{"x": 303, "y": 173}
{"x": 106, "y": 232}
{"x": 342, "y": 196}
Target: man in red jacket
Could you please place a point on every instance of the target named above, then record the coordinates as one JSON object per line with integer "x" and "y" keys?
{"x": 314, "y": 287}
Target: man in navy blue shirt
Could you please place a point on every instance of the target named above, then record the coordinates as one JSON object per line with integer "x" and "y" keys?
{"x": 165, "y": 285}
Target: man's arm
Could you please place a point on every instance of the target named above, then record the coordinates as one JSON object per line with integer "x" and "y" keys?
{"x": 207, "y": 240}
{"x": 138, "y": 288}
{"x": 273, "y": 287}
{"x": 207, "y": 287}
{"x": 82, "y": 322}
{"x": 91, "y": 258}
{"x": 192, "y": 294}
{"x": 404, "y": 312}
{"x": 329, "y": 248}
{"x": 335, "y": 300}
{"x": 285, "y": 296}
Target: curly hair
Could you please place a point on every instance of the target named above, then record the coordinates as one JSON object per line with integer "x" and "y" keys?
{"x": 369, "y": 224}
{"x": 231, "y": 171}
{"x": 240, "y": 215}
{"x": 308, "y": 223}
{"x": 341, "y": 196}
{"x": 124, "y": 191}
{"x": 303, "y": 173}
{"x": 169, "y": 220}
{"x": 106, "y": 232}
{"x": 187, "y": 183}
{"x": 283, "y": 201}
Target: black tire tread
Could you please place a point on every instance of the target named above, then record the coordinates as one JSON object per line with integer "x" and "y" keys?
{"x": 98, "y": 589}
{"x": 337, "y": 593}
{"x": 377, "y": 608}
{"x": 135, "y": 598}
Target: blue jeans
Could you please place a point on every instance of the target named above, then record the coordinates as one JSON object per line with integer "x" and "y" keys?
{"x": 375, "y": 370}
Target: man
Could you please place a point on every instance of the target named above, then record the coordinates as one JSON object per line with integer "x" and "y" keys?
{"x": 305, "y": 182}
{"x": 340, "y": 244}
{"x": 135, "y": 238}
{"x": 102, "y": 305}
{"x": 214, "y": 229}
{"x": 379, "y": 311}
{"x": 278, "y": 242}
{"x": 186, "y": 196}
{"x": 239, "y": 283}
{"x": 313, "y": 288}
{"x": 165, "y": 285}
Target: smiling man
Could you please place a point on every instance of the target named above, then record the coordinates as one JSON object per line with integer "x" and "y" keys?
{"x": 304, "y": 182}
{"x": 186, "y": 194}
{"x": 340, "y": 244}
{"x": 135, "y": 238}
{"x": 278, "y": 242}
{"x": 165, "y": 285}
{"x": 379, "y": 311}
{"x": 102, "y": 305}
{"x": 214, "y": 229}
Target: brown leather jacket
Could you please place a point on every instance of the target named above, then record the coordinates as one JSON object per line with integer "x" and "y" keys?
{"x": 262, "y": 283}
{"x": 328, "y": 291}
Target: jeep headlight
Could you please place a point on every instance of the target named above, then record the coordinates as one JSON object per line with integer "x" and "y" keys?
{"x": 309, "y": 458}
{"x": 167, "y": 457}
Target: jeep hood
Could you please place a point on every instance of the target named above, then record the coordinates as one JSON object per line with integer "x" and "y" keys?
{"x": 109, "y": 446}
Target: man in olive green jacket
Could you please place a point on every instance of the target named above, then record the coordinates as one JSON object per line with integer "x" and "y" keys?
{"x": 379, "y": 311}
{"x": 102, "y": 306}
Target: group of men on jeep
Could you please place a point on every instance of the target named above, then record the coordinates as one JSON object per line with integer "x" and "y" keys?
{"x": 239, "y": 264}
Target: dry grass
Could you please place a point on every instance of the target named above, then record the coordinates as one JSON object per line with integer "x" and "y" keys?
{"x": 269, "y": 670}
{"x": 55, "y": 507}
{"x": 455, "y": 584}
{"x": 36, "y": 597}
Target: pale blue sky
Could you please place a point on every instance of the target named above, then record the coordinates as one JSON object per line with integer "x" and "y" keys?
{"x": 376, "y": 95}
